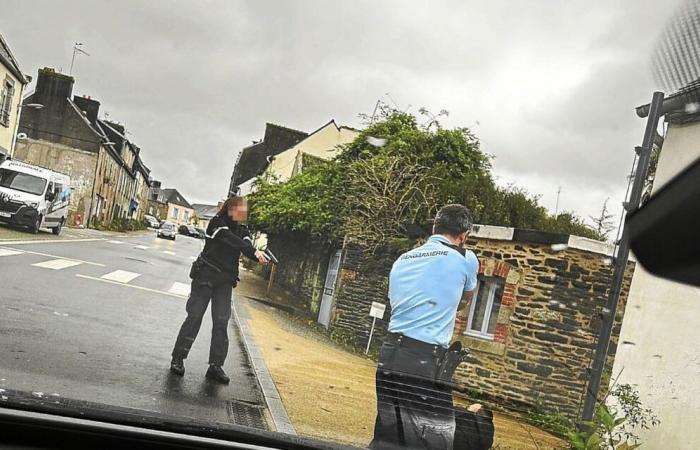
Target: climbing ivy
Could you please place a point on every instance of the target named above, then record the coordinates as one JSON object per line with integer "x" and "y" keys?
{"x": 392, "y": 178}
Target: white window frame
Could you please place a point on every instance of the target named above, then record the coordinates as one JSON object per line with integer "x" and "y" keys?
{"x": 483, "y": 333}
{"x": 6, "y": 96}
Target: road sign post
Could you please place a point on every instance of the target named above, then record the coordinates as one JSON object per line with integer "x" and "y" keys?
{"x": 375, "y": 312}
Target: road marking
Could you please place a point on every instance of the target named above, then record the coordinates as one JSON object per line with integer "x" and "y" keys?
{"x": 120, "y": 276}
{"x": 141, "y": 247}
{"x": 193, "y": 258}
{"x": 115, "y": 242}
{"x": 168, "y": 252}
{"x": 180, "y": 289}
{"x": 56, "y": 256}
{"x": 141, "y": 288}
{"x": 6, "y": 252}
{"x": 57, "y": 264}
{"x": 47, "y": 241}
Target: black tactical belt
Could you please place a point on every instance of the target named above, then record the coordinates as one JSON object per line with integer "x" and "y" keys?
{"x": 207, "y": 263}
{"x": 415, "y": 344}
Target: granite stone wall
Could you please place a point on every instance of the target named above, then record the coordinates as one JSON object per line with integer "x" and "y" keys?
{"x": 546, "y": 326}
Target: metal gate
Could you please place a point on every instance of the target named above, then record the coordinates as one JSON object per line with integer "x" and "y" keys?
{"x": 324, "y": 314}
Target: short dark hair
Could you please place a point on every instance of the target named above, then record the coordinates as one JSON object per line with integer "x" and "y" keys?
{"x": 453, "y": 220}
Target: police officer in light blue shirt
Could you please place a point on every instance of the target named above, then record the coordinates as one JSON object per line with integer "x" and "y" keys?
{"x": 427, "y": 286}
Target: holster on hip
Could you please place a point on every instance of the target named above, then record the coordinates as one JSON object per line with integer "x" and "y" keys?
{"x": 447, "y": 365}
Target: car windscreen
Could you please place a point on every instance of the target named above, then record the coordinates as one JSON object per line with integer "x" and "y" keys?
{"x": 20, "y": 181}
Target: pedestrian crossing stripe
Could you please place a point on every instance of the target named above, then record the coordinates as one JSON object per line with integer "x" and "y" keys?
{"x": 8, "y": 252}
{"x": 115, "y": 242}
{"x": 168, "y": 252}
{"x": 120, "y": 276}
{"x": 57, "y": 264}
{"x": 180, "y": 289}
{"x": 141, "y": 247}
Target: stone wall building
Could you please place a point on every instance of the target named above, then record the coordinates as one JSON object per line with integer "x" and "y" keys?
{"x": 108, "y": 177}
{"x": 531, "y": 327}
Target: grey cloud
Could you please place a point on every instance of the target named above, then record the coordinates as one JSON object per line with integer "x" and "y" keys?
{"x": 194, "y": 81}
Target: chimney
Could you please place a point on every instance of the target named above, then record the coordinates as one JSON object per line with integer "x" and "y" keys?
{"x": 90, "y": 106}
{"x": 52, "y": 88}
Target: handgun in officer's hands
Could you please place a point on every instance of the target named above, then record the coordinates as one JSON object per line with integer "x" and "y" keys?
{"x": 266, "y": 256}
{"x": 271, "y": 256}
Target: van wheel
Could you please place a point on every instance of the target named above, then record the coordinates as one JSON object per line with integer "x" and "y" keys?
{"x": 57, "y": 229}
{"x": 37, "y": 224}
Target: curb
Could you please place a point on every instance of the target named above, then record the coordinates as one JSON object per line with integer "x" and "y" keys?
{"x": 280, "y": 419}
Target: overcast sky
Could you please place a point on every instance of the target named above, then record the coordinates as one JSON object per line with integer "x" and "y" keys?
{"x": 549, "y": 86}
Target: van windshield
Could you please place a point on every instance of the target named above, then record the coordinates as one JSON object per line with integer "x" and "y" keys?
{"x": 20, "y": 181}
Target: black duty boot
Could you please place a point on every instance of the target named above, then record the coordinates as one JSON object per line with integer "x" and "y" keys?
{"x": 177, "y": 366}
{"x": 216, "y": 373}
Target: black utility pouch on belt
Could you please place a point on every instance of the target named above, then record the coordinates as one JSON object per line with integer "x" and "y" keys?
{"x": 196, "y": 267}
{"x": 199, "y": 264}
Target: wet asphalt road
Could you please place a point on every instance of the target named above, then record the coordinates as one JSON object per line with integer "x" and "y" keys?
{"x": 96, "y": 321}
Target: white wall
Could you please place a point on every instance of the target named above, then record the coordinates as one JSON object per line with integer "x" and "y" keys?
{"x": 322, "y": 144}
{"x": 662, "y": 324}
{"x": 7, "y": 133}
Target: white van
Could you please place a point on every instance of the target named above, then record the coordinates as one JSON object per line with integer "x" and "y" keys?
{"x": 33, "y": 197}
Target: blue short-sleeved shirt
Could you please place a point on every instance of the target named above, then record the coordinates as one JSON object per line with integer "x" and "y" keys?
{"x": 425, "y": 287}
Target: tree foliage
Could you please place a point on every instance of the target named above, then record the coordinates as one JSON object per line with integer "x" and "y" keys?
{"x": 395, "y": 175}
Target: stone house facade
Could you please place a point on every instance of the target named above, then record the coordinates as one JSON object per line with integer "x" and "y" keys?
{"x": 108, "y": 177}
{"x": 531, "y": 327}
{"x": 157, "y": 204}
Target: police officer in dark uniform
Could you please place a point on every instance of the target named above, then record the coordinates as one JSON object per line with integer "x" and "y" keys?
{"x": 214, "y": 275}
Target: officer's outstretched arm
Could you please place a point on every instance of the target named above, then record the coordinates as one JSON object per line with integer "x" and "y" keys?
{"x": 226, "y": 237}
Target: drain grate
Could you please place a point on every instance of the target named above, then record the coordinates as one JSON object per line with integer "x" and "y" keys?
{"x": 246, "y": 414}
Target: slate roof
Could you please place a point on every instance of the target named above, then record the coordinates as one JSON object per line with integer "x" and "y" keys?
{"x": 174, "y": 197}
{"x": 205, "y": 211}
{"x": 254, "y": 158}
{"x": 8, "y": 59}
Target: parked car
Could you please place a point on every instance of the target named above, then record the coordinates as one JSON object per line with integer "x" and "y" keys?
{"x": 151, "y": 221}
{"x": 167, "y": 230}
{"x": 202, "y": 233}
{"x": 188, "y": 230}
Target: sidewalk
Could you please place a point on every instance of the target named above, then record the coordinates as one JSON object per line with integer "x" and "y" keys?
{"x": 329, "y": 392}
